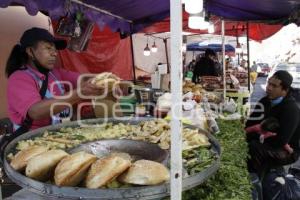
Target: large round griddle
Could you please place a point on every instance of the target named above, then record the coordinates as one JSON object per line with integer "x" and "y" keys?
{"x": 68, "y": 193}
{"x": 135, "y": 148}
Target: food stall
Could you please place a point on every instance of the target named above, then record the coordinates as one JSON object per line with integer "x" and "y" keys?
{"x": 53, "y": 191}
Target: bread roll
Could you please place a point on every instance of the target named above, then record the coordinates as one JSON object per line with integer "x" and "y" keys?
{"x": 41, "y": 166}
{"x": 106, "y": 79}
{"x": 122, "y": 155}
{"x": 145, "y": 172}
{"x": 73, "y": 169}
{"x": 20, "y": 160}
{"x": 106, "y": 169}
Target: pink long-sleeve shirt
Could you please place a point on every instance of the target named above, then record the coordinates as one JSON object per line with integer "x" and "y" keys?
{"x": 23, "y": 92}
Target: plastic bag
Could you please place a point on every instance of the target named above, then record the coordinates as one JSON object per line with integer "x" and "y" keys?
{"x": 230, "y": 106}
{"x": 280, "y": 186}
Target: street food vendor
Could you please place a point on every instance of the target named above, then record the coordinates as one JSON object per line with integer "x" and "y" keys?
{"x": 270, "y": 150}
{"x": 35, "y": 84}
{"x": 205, "y": 66}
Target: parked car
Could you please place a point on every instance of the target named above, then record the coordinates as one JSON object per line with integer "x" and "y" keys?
{"x": 263, "y": 69}
{"x": 292, "y": 68}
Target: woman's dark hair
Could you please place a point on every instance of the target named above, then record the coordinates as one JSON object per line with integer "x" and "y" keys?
{"x": 16, "y": 60}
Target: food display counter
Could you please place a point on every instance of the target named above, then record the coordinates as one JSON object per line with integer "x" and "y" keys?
{"x": 194, "y": 142}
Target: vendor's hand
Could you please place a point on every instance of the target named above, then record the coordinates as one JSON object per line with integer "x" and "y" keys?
{"x": 89, "y": 89}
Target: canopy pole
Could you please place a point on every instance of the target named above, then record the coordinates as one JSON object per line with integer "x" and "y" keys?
{"x": 176, "y": 91}
{"x": 167, "y": 57}
{"x": 223, "y": 58}
{"x": 132, "y": 55}
{"x": 248, "y": 52}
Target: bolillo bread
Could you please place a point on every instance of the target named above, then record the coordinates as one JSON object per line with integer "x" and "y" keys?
{"x": 71, "y": 170}
{"x": 20, "y": 160}
{"x": 106, "y": 169}
{"x": 106, "y": 79}
{"x": 41, "y": 166}
{"x": 145, "y": 172}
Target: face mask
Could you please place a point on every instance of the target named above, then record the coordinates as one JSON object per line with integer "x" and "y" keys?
{"x": 38, "y": 65}
{"x": 276, "y": 101}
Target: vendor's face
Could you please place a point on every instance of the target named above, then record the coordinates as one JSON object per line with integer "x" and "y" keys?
{"x": 45, "y": 53}
{"x": 274, "y": 88}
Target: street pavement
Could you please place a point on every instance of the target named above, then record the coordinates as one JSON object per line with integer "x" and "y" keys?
{"x": 259, "y": 89}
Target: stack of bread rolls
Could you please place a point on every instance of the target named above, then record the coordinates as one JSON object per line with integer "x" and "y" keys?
{"x": 64, "y": 169}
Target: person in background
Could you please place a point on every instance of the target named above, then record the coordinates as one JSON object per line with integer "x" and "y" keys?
{"x": 205, "y": 66}
{"x": 34, "y": 83}
{"x": 242, "y": 67}
{"x": 218, "y": 66}
{"x": 253, "y": 73}
{"x": 281, "y": 105}
{"x": 191, "y": 65}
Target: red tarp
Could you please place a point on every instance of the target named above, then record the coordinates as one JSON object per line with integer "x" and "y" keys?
{"x": 106, "y": 52}
{"x": 257, "y": 31}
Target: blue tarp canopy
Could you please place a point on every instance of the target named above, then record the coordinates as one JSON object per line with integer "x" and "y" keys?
{"x": 203, "y": 47}
{"x": 254, "y": 9}
{"x": 123, "y": 15}
{"x": 134, "y": 15}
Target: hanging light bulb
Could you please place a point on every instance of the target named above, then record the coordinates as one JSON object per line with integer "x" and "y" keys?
{"x": 211, "y": 28}
{"x": 193, "y": 6}
{"x": 195, "y": 21}
{"x": 147, "y": 50}
{"x": 204, "y": 25}
{"x": 154, "y": 47}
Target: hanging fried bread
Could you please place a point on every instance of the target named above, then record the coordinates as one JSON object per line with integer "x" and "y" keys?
{"x": 42, "y": 166}
{"x": 145, "y": 172}
{"x": 73, "y": 168}
{"x": 20, "y": 160}
{"x": 106, "y": 169}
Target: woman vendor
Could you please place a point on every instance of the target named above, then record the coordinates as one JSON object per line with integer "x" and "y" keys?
{"x": 36, "y": 94}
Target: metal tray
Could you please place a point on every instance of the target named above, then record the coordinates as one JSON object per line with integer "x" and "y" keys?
{"x": 68, "y": 193}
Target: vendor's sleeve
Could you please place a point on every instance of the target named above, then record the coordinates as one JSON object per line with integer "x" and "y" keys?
{"x": 22, "y": 93}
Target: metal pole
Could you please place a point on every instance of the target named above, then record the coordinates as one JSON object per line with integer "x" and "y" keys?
{"x": 176, "y": 90}
{"x": 132, "y": 55}
{"x": 223, "y": 58}
{"x": 248, "y": 52}
{"x": 167, "y": 57}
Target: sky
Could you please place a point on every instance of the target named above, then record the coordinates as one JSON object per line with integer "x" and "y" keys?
{"x": 284, "y": 46}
